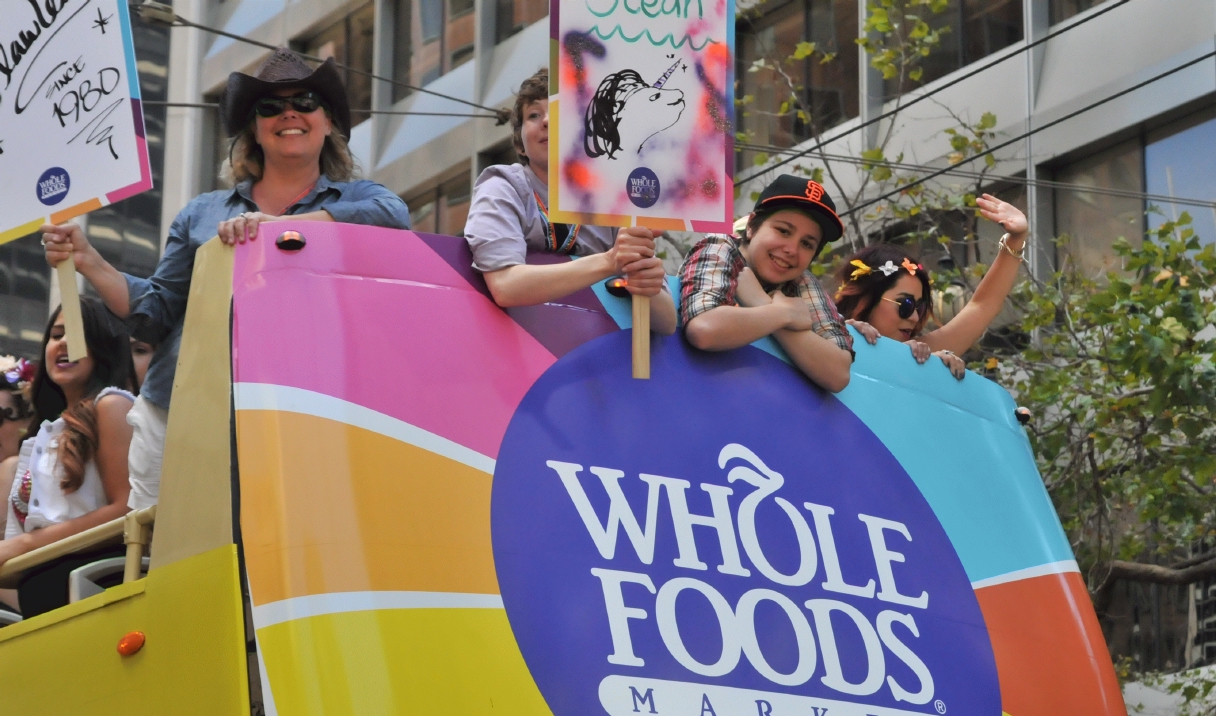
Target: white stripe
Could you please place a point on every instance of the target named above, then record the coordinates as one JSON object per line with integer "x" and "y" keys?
{"x": 338, "y": 603}
{"x": 1063, "y": 567}
{"x": 266, "y": 396}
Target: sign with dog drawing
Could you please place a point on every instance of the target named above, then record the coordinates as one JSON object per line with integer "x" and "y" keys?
{"x": 641, "y": 113}
{"x": 71, "y": 120}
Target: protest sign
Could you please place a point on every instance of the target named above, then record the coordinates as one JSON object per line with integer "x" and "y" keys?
{"x": 71, "y": 122}
{"x": 641, "y": 113}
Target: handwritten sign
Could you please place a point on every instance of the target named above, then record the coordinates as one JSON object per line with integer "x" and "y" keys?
{"x": 71, "y": 121}
{"x": 642, "y": 109}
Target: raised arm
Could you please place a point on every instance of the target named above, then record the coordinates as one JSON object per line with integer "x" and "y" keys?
{"x": 962, "y": 331}
{"x": 68, "y": 241}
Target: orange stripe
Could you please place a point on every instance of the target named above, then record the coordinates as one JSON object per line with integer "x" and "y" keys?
{"x": 74, "y": 211}
{"x": 1050, "y": 653}
{"x": 328, "y": 507}
{"x": 651, "y": 222}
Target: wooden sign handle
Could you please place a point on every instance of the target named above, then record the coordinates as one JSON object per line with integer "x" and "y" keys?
{"x": 69, "y": 299}
{"x": 641, "y": 337}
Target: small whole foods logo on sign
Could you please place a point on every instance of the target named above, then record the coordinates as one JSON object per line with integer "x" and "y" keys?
{"x": 642, "y": 187}
{"x": 53, "y": 186}
{"x": 672, "y": 547}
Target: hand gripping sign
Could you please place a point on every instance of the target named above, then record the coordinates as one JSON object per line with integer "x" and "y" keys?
{"x": 71, "y": 123}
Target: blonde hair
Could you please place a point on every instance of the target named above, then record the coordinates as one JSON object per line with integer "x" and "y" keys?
{"x": 246, "y": 161}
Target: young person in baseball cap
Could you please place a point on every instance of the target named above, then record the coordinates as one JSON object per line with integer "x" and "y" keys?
{"x": 738, "y": 289}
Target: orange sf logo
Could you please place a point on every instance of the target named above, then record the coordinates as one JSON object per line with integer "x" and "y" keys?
{"x": 814, "y": 191}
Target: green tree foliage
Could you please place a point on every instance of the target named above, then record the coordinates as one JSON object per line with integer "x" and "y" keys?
{"x": 1122, "y": 385}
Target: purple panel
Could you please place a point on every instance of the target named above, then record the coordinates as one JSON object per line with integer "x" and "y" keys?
{"x": 559, "y": 326}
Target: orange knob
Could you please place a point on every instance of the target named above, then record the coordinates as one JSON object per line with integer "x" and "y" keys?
{"x": 131, "y": 643}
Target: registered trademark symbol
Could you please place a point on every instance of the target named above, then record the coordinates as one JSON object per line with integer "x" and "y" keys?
{"x": 940, "y": 706}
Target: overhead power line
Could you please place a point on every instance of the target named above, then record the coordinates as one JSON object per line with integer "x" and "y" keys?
{"x": 213, "y": 105}
{"x": 995, "y": 178}
{"x": 961, "y": 78}
{"x": 160, "y": 13}
{"x": 1034, "y": 131}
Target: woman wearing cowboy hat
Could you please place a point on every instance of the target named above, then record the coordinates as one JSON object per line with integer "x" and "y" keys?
{"x": 288, "y": 157}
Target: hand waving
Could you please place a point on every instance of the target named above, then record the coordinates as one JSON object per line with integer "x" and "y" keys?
{"x": 1007, "y": 215}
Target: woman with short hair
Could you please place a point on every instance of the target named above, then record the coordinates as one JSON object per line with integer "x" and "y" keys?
{"x": 288, "y": 160}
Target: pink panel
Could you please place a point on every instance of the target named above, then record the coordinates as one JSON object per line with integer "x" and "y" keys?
{"x": 352, "y": 286}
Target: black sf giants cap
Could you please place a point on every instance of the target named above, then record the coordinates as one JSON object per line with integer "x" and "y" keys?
{"x": 791, "y": 192}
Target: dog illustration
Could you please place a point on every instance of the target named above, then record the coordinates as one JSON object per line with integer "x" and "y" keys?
{"x": 626, "y": 112}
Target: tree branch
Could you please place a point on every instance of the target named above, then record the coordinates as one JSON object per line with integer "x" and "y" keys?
{"x": 1159, "y": 574}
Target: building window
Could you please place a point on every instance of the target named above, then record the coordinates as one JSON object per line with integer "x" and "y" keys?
{"x": 976, "y": 29}
{"x": 511, "y": 16}
{"x": 444, "y": 209}
{"x": 1175, "y": 165}
{"x": 1061, "y": 10}
{"x": 827, "y": 93}
{"x": 24, "y": 297}
{"x": 431, "y": 38}
{"x": 1092, "y": 222}
{"x": 349, "y": 42}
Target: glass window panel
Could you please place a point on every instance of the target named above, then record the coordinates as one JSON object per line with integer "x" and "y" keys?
{"x": 1178, "y": 162}
{"x": 975, "y": 29}
{"x": 1093, "y": 221}
{"x": 827, "y": 91}
{"x": 514, "y": 15}
{"x": 456, "y": 8}
{"x": 24, "y": 296}
{"x": 402, "y": 46}
{"x": 1063, "y": 9}
{"x": 432, "y": 19}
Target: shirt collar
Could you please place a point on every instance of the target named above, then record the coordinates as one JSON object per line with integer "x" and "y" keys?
{"x": 244, "y": 190}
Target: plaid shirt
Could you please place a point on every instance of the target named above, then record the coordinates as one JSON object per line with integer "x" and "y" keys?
{"x": 711, "y": 272}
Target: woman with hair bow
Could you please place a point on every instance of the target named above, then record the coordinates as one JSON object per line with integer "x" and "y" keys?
{"x": 885, "y": 292}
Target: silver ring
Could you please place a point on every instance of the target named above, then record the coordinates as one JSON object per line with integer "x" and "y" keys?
{"x": 949, "y": 353}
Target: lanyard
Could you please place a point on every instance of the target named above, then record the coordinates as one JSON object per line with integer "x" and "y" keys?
{"x": 559, "y": 238}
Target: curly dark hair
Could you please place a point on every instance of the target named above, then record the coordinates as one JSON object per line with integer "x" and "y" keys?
{"x": 857, "y": 297}
{"x": 533, "y": 89}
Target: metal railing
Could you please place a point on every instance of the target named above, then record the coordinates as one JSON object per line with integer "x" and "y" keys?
{"x": 134, "y": 528}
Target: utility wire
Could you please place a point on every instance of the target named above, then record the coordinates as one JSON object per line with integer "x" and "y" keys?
{"x": 213, "y": 105}
{"x": 995, "y": 178}
{"x": 157, "y": 12}
{"x": 1036, "y": 130}
{"x": 965, "y": 76}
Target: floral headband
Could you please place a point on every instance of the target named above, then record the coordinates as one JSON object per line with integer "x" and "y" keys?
{"x": 887, "y": 269}
{"x": 18, "y": 372}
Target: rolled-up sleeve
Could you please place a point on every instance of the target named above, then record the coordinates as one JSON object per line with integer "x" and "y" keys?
{"x": 371, "y": 204}
{"x": 707, "y": 278}
{"x": 159, "y": 303}
{"x": 495, "y": 227}
{"x": 825, "y": 319}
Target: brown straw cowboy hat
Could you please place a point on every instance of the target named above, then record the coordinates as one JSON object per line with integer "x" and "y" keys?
{"x": 284, "y": 70}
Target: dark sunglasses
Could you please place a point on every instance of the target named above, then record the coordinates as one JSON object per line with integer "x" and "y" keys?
{"x": 304, "y": 103}
{"x": 908, "y": 305}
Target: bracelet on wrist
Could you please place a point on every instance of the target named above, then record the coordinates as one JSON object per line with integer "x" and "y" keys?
{"x": 1019, "y": 254}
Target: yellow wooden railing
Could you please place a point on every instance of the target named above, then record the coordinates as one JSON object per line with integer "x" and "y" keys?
{"x": 134, "y": 528}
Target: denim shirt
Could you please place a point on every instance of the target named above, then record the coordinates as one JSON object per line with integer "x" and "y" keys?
{"x": 158, "y": 304}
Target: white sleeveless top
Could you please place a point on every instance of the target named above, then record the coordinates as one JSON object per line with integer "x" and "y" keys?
{"x": 36, "y": 499}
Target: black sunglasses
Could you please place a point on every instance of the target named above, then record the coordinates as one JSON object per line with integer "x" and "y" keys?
{"x": 304, "y": 103}
{"x": 908, "y": 305}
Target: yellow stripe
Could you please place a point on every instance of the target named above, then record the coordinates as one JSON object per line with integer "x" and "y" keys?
{"x": 14, "y": 234}
{"x": 406, "y": 661}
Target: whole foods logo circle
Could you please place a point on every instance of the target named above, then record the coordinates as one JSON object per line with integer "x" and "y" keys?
{"x": 53, "y": 186}
{"x": 727, "y": 540}
{"x": 642, "y": 187}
